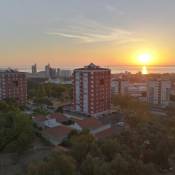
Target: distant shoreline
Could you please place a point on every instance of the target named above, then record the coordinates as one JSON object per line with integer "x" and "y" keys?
{"x": 123, "y": 68}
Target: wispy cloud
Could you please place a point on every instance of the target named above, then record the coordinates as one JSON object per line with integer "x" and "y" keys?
{"x": 72, "y": 36}
{"x": 93, "y": 32}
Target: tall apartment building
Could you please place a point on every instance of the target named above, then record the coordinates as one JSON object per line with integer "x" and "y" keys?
{"x": 158, "y": 92}
{"x": 92, "y": 90}
{"x": 13, "y": 85}
{"x": 58, "y": 72}
{"x": 34, "y": 69}
{"x": 53, "y": 73}
{"x": 119, "y": 87}
{"x": 50, "y": 72}
{"x": 47, "y": 70}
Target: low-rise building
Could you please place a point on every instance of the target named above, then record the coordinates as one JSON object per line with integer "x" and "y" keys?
{"x": 39, "y": 120}
{"x": 57, "y": 134}
{"x": 92, "y": 124}
{"x": 49, "y": 121}
{"x": 59, "y": 117}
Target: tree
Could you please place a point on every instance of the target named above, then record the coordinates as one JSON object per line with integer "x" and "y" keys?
{"x": 59, "y": 109}
{"x": 81, "y": 145}
{"x": 40, "y": 111}
{"x": 109, "y": 148}
{"x": 62, "y": 164}
{"x": 119, "y": 166}
{"x": 58, "y": 164}
{"x": 16, "y": 131}
{"x": 38, "y": 168}
{"x": 94, "y": 166}
{"x": 6, "y": 106}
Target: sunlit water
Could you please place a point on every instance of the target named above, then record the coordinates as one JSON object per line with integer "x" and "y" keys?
{"x": 144, "y": 70}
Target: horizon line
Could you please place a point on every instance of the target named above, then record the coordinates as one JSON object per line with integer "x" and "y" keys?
{"x": 57, "y": 66}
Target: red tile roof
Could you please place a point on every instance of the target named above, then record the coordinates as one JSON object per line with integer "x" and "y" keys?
{"x": 39, "y": 118}
{"x": 59, "y": 117}
{"x": 89, "y": 123}
{"x": 104, "y": 134}
{"x": 57, "y": 132}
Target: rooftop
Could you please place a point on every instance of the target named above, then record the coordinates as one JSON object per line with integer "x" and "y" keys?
{"x": 57, "y": 132}
{"x": 59, "y": 117}
{"x": 39, "y": 118}
{"x": 91, "y": 67}
{"x": 8, "y": 70}
{"x": 113, "y": 118}
{"x": 105, "y": 134}
{"x": 89, "y": 123}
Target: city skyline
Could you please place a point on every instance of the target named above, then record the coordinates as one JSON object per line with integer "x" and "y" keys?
{"x": 79, "y": 32}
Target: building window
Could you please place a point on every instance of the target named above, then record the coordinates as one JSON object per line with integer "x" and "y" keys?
{"x": 15, "y": 83}
{"x": 102, "y": 82}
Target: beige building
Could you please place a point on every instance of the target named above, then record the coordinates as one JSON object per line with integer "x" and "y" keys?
{"x": 119, "y": 87}
{"x": 158, "y": 92}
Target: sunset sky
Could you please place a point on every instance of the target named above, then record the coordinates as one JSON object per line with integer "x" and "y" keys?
{"x": 67, "y": 33}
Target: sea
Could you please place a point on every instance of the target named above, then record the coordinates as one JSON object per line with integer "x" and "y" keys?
{"x": 121, "y": 69}
{"x": 143, "y": 69}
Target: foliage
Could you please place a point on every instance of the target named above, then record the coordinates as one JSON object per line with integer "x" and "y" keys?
{"x": 15, "y": 131}
{"x": 8, "y": 105}
{"x": 59, "y": 109}
{"x": 40, "y": 91}
{"x": 144, "y": 147}
{"x": 135, "y": 111}
{"x": 129, "y": 103}
{"x": 40, "y": 111}
{"x": 140, "y": 151}
{"x": 58, "y": 163}
{"x": 43, "y": 100}
{"x": 81, "y": 145}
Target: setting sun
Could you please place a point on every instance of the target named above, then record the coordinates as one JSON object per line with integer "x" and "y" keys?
{"x": 144, "y": 58}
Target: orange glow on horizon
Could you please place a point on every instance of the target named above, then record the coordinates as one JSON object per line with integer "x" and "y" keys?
{"x": 103, "y": 57}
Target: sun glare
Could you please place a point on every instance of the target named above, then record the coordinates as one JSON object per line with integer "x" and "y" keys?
{"x": 144, "y": 58}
